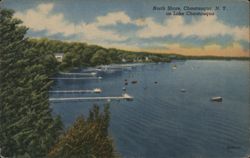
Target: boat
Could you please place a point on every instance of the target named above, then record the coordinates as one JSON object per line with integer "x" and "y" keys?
{"x": 127, "y": 97}
{"x": 217, "y": 98}
{"x": 97, "y": 90}
{"x": 93, "y": 73}
{"x": 156, "y": 82}
{"x": 126, "y": 83}
{"x": 98, "y": 69}
{"x": 183, "y": 90}
{"x": 124, "y": 88}
{"x": 99, "y": 77}
{"x": 174, "y": 67}
{"x": 134, "y": 82}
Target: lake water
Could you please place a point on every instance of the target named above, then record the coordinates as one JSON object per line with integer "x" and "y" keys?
{"x": 162, "y": 121}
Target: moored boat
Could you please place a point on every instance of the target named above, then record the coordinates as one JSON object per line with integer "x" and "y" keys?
{"x": 174, "y": 67}
{"x": 127, "y": 97}
{"x": 133, "y": 82}
{"x": 97, "y": 90}
{"x": 183, "y": 90}
{"x": 217, "y": 98}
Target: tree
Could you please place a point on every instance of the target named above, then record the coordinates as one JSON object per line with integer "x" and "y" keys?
{"x": 12, "y": 44}
{"x": 86, "y": 56}
{"x": 67, "y": 59}
{"x": 101, "y": 57}
{"x": 114, "y": 55}
{"x": 50, "y": 64}
{"x": 26, "y": 124}
{"x": 86, "y": 138}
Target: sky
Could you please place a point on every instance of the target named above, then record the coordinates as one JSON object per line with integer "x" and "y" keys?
{"x": 142, "y": 25}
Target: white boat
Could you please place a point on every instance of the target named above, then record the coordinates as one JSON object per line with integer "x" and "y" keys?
{"x": 217, "y": 98}
{"x": 183, "y": 90}
{"x": 97, "y": 90}
{"x": 98, "y": 69}
{"x": 93, "y": 73}
{"x": 127, "y": 97}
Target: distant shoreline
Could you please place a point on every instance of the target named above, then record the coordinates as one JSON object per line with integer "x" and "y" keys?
{"x": 205, "y": 57}
{"x": 216, "y": 58}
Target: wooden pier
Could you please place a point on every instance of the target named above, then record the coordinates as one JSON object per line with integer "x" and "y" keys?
{"x": 76, "y": 78}
{"x": 123, "y": 97}
{"x": 72, "y": 91}
{"x": 79, "y": 74}
{"x": 95, "y": 90}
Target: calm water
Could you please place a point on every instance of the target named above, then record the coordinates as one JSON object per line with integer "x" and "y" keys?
{"x": 163, "y": 122}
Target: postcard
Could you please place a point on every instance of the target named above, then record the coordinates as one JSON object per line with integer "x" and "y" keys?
{"x": 124, "y": 78}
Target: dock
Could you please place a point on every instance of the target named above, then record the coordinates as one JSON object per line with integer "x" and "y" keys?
{"x": 72, "y": 91}
{"x": 96, "y": 90}
{"x": 123, "y": 97}
{"x": 115, "y": 67}
{"x": 79, "y": 74}
{"x": 76, "y": 78}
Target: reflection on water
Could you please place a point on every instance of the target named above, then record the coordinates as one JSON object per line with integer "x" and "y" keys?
{"x": 163, "y": 121}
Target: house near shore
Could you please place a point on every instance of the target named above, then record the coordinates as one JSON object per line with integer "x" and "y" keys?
{"x": 137, "y": 59}
{"x": 59, "y": 56}
{"x": 124, "y": 60}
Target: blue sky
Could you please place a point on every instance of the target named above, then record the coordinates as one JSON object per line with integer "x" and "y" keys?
{"x": 134, "y": 25}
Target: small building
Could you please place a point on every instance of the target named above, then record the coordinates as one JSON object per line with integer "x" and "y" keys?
{"x": 137, "y": 59}
{"x": 59, "y": 56}
{"x": 124, "y": 60}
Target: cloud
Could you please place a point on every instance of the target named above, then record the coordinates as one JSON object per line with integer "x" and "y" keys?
{"x": 93, "y": 33}
{"x": 203, "y": 27}
{"x": 113, "y": 18}
{"x": 42, "y": 18}
{"x": 98, "y": 31}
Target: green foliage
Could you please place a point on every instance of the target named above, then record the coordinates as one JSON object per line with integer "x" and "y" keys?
{"x": 101, "y": 57}
{"x": 26, "y": 124}
{"x": 86, "y": 56}
{"x": 86, "y": 138}
{"x": 115, "y": 56}
{"x": 82, "y": 55}
{"x": 159, "y": 58}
